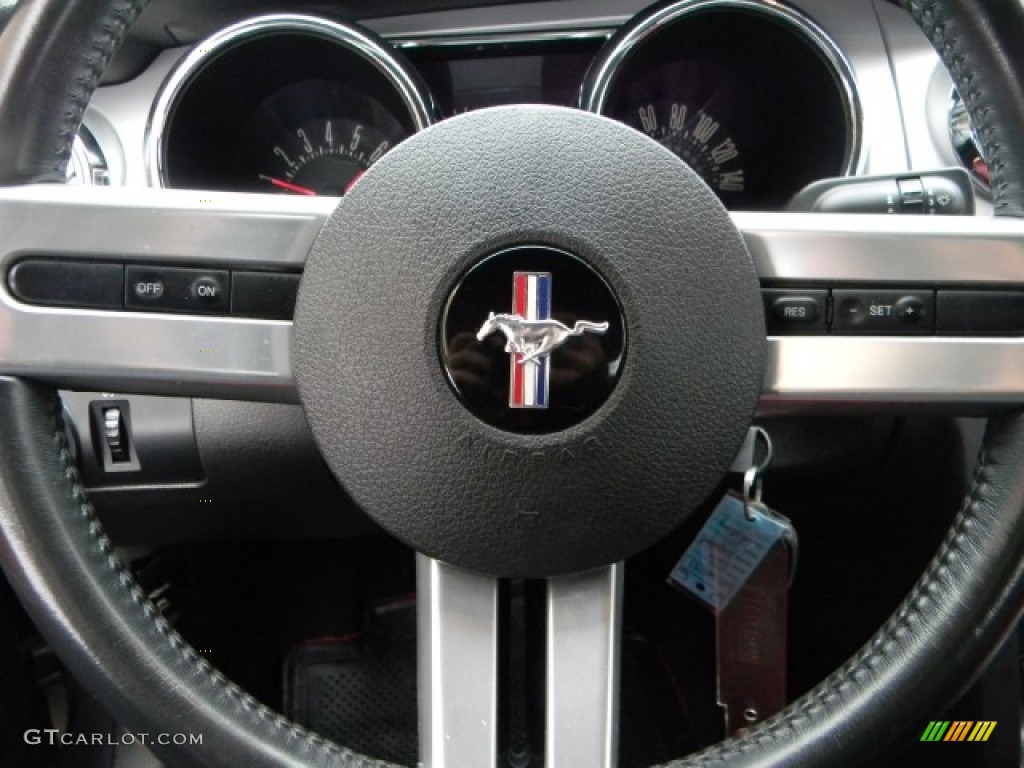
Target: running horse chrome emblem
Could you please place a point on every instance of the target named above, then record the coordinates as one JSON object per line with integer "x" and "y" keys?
{"x": 534, "y": 339}
{"x": 531, "y": 335}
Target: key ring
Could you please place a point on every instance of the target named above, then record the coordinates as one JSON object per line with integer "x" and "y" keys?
{"x": 752, "y": 477}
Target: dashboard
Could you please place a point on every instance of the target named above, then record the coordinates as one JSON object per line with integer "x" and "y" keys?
{"x": 760, "y": 98}
{"x": 298, "y": 98}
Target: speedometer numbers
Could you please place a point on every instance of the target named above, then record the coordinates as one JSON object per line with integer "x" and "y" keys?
{"x": 697, "y": 137}
{"x": 323, "y": 157}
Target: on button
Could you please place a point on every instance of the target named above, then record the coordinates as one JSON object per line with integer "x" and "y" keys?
{"x": 207, "y": 290}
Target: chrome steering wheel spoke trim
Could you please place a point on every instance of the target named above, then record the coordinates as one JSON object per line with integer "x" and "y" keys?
{"x": 149, "y": 352}
{"x": 241, "y": 358}
{"x": 459, "y": 677}
{"x": 458, "y": 665}
{"x": 583, "y": 656}
{"x": 912, "y": 252}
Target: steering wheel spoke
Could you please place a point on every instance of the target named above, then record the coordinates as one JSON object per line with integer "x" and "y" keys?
{"x": 584, "y": 623}
{"x": 913, "y": 254}
{"x": 460, "y": 683}
{"x": 458, "y": 665}
{"x": 179, "y": 353}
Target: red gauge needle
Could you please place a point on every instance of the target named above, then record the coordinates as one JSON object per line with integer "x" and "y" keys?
{"x": 288, "y": 186}
{"x": 352, "y": 183}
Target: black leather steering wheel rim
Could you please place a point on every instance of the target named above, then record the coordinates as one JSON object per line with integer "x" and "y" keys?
{"x": 66, "y": 573}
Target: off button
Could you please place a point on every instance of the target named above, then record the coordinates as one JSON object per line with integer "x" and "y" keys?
{"x": 148, "y": 289}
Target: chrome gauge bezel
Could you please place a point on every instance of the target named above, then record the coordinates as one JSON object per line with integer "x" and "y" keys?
{"x": 413, "y": 94}
{"x": 609, "y": 63}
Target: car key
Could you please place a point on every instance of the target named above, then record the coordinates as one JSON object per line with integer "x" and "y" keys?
{"x": 741, "y": 566}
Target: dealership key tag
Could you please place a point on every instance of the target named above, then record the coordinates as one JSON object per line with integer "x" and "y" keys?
{"x": 733, "y": 542}
{"x": 728, "y": 549}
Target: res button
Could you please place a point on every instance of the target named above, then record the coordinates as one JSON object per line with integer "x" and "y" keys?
{"x": 795, "y": 311}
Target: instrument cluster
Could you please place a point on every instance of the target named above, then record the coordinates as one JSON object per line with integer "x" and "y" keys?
{"x": 752, "y": 94}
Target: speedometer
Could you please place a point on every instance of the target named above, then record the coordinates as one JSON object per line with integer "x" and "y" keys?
{"x": 703, "y": 112}
{"x": 699, "y": 138}
{"x": 752, "y": 95}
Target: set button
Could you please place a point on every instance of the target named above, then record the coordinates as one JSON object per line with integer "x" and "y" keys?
{"x": 883, "y": 312}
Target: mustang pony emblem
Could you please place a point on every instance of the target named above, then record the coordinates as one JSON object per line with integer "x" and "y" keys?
{"x": 533, "y": 339}
{"x": 531, "y": 335}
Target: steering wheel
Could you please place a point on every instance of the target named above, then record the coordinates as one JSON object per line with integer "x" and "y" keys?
{"x": 566, "y": 493}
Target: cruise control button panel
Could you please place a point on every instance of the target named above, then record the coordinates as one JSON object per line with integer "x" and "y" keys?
{"x": 173, "y": 289}
{"x": 55, "y": 281}
{"x": 913, "y": 311}
{"x": 858, "y": 311}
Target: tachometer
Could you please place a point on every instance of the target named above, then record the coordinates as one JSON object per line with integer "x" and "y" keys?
{"x": 295, "y": 104}
{"x": 316, "y": 137}
{"x": 324, "y": 157}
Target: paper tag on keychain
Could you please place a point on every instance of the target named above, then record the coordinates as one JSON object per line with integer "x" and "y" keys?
{"x": 728, "y": 549}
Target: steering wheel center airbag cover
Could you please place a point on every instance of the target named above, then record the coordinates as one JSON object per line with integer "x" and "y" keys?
{"x": 368, "y": 330}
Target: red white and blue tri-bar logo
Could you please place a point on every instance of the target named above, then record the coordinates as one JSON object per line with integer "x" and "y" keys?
{"x": 531, "y": 335}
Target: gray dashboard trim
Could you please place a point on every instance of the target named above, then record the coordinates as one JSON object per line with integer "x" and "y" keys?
{"x": 509, "y": 38}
